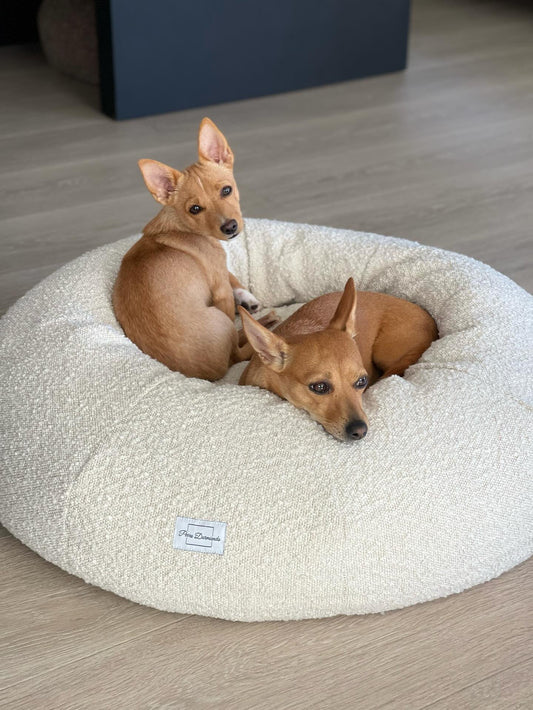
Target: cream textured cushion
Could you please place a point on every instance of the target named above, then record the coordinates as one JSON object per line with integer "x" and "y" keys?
{"x": 104, "y": 448}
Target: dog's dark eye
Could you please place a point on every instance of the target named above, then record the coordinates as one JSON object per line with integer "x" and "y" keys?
{"x": 320, "y": 387}
{"x": 226, "y": 191}
{"x": 195, "y": 209}
{"x": 361, "y": 383}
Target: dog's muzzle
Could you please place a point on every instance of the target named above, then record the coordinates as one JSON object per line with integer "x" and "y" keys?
{"x": 230, "y": 228}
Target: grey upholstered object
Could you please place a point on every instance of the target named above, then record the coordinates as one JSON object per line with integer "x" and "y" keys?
{"x": 67, "y": 30}
{"x": 103, "y": 449}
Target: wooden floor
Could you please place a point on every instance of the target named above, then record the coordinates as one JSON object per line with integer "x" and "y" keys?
{"x": 442, "y": 154}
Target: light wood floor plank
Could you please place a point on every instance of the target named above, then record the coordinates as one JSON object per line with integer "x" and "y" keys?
{"x": 50, "y": 618}
{"x": 509, "y": 689}
{"x": 360, "y": 661}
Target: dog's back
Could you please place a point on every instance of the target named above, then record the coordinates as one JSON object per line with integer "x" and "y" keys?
{"x": 389, "y": 330}
{"x": 162, "y": 298}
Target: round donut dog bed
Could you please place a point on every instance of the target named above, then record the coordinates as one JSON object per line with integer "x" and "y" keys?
{"x": 126, "y": 474}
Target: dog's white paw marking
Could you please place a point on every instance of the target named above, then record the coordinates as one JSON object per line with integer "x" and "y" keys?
{"x": 245, "y": 299}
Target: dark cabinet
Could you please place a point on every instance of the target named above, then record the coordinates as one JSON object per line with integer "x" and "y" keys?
{"x": 165, "y": 55}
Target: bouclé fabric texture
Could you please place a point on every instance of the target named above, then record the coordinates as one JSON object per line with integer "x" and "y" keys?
{"x": 103, "y": 448}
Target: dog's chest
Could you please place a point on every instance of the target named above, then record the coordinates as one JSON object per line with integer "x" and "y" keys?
{"x": 217, "y": 275}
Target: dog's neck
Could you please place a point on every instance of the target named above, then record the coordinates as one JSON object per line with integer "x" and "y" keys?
{"x": 260, "y": 375}
{"x": 165, "y": 222}
{"x": 165, "y": 228}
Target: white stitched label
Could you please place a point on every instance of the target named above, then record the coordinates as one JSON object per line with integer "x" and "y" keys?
{"x": 199, "y": 535}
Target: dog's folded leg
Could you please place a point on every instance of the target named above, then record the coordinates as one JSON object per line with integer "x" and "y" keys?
{"x": 269, "y": 320}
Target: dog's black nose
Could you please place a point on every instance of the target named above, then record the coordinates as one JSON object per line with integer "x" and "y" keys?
{"x": 229, "y": 227}
{"x": 356, "y": 429}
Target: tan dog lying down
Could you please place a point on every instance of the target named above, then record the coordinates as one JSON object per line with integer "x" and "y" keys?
{"x": 322, "y": 358}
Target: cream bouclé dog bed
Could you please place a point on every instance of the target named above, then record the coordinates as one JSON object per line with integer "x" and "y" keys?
{"x": 226, "y": 501}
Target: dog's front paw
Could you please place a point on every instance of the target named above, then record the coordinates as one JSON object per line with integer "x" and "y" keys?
{"x": 245, "y": 299}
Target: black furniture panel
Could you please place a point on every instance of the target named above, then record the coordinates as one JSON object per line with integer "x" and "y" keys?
{"x": 165, "y": 55}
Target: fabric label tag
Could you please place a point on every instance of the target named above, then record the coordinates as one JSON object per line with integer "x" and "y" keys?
{"x": 199, "y": 535}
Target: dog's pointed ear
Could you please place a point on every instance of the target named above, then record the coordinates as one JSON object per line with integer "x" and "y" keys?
{"x": 344, "y": 317}
{"x": 212, "y": 145}
{"x": 161, "y": 180}
{"x": 271, "y": 348}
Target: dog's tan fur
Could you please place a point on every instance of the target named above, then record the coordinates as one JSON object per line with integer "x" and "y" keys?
{"x": 338, "y": 339}
{"x": 174, "y": 295}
